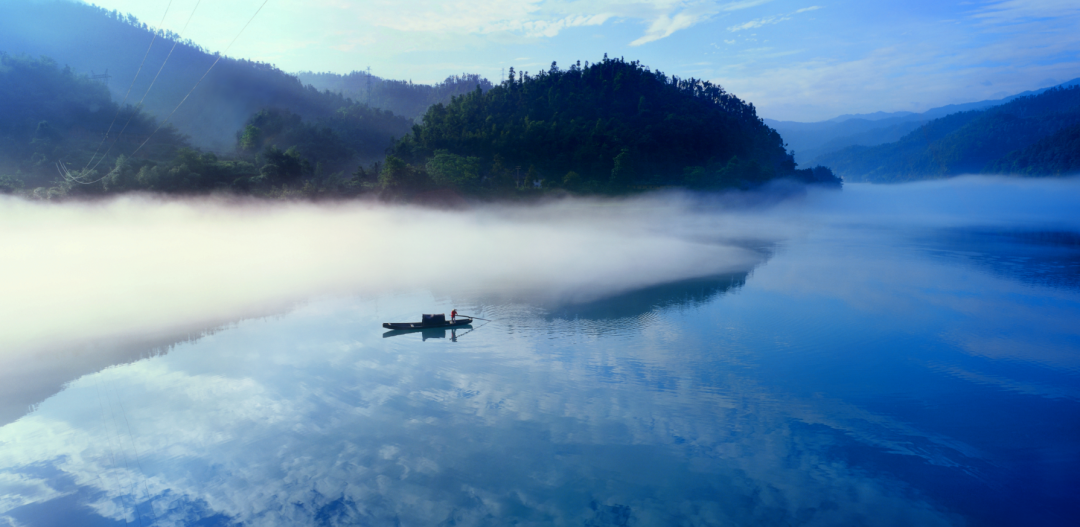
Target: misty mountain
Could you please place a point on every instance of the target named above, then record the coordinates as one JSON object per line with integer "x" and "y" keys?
{"x": 89, "y": 40}
{"x": 811, "y": 140}
{"x": 1055, "y": 155}
{"x": 610, "y": 126}
{"x": 1029, "y": 135}
{"x": 50, "y": 114}
{"x": 400, "y": 97}
{"x": 354, "y": 134}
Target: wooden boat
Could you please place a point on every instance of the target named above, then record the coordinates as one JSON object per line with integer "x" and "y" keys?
{"x": 429, "y": 322}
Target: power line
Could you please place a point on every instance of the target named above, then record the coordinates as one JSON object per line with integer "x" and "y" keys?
{"x": 222, "y": 54}
{"x": 176, "y": 41}
{"x": 132, "y": 85}
{"x": 64, "y": 172}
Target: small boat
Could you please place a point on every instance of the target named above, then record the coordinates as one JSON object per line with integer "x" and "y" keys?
{"x": 429, "y": 322}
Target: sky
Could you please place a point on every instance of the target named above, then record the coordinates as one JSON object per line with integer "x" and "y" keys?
{"x": 800, "y": 60}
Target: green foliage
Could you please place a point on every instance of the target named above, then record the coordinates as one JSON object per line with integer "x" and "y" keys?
{"x": 335, "y": 142}
{"x": 615, "y": 124}
{"x": 400, "y": 97}
{"x": 283, "y": 167}
{"x": 91, "y": 38}
{"x": 367, "y": 130}
{"x": 400, "y": 177}
{"x": 10, "y": 184}
{"x": 251, "y": 139}
{"x": 622, "y": 174}
{"x": 571, "y": 181}
{"x": 454, "y": 170}
{"x": 997, "y": 140}
{"x": 189, "y": 172}
{"x": 49, "y": 114}
{"x": 1054, "y": 155}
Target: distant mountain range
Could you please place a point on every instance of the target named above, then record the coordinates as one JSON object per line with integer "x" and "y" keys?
{"x": 1031, "y": 135}
{"x": 92, "y": 40}
{"x": 812, "y": 140}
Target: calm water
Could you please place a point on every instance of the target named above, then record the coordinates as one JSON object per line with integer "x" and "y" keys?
{"x": 867, "y": 373}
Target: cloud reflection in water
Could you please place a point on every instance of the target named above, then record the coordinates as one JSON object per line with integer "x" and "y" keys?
{"x": 817, "y": 394}
{"x": 310, "y": 419}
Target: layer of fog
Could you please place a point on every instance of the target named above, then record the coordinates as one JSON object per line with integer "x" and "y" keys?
{"x": 148, "y": 266}
{"x": 144, "y": 266}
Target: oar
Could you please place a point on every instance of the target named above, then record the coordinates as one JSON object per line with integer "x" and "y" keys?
{"x": 477, "y": 318}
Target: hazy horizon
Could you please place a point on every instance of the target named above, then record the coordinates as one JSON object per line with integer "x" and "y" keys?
{"x": 796, "y": 61}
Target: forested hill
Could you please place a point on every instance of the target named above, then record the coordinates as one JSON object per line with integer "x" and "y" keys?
{"x": 91, "y": 39}
{"x": 401, "y": 97}
{"x": 1027, "y": 136}
{"x": 609, "y": 126}
{"x": 50, "y": 114}
{"x": 811, "y": 140}
{"x": 51, "y": 117}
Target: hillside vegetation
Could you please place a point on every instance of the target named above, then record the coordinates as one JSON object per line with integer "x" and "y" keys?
{"x": 1027, "y": 136}
{"x": 400, "y": 97}
{"x": 606, "y": 127}
{"x": 50, "y": 114}
{"x": 814, "y": 139}
{"x": 1055, "y": 155}
{"x": 91, "y": 39}
{"x": 51, "y": 118}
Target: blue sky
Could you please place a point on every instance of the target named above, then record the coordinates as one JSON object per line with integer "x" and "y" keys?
{"x": 801, "y": 60}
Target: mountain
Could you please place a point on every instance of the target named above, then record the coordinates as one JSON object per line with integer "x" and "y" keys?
{"x": 52, "y": 118}
{"x": 811, "y": 140}
{"x": 50, "y": 115}
{"x": 1055, "y": 155}
{"x": 1029, "y": 134}
{"x": 90, "y": 39}
{"x": 610, "y": 126}
{"x": 401, "y": 97}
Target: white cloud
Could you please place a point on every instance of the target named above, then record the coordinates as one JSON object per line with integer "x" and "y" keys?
{"x": 775, "y": 19}
{"x": 539, "y": 18}
{"x": 1011, "y": 11}
{"x": 913, "y": 67}
{"x": 666, "y": 23}
{"x": 313, "y": 434}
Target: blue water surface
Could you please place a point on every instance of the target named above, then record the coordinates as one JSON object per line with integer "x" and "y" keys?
{"x": 863, "y": 375}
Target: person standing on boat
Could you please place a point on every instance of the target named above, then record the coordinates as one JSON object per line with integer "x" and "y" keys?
{"x": 453, "y": 314}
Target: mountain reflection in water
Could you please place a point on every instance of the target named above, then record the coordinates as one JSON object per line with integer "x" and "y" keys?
{"x": 854, "y": 378}
{"x": 1041, "y": 257}
{"x": 634, "y": 304}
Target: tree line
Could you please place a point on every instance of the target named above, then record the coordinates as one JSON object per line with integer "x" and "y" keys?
{"x": 611, "y": 126}
{"x": 1029, "y": 136}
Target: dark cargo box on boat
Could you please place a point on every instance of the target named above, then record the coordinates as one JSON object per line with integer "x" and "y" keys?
{"x": 434, "y": 319}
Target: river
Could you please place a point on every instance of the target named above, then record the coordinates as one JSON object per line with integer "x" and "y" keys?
{"x": 900, "y": 355}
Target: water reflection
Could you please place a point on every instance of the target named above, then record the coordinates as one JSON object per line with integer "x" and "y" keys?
{"x": 28, "y": 379}
{"x": 634, "y": 304}
{"x": 428, "y": 333}
{"x": 309, "y": 421}
{"x": 852, "y": 381}
{"x": 1038, "y": 256}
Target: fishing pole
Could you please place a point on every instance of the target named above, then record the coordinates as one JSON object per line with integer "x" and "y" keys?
{"x": 470, "y": 316}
